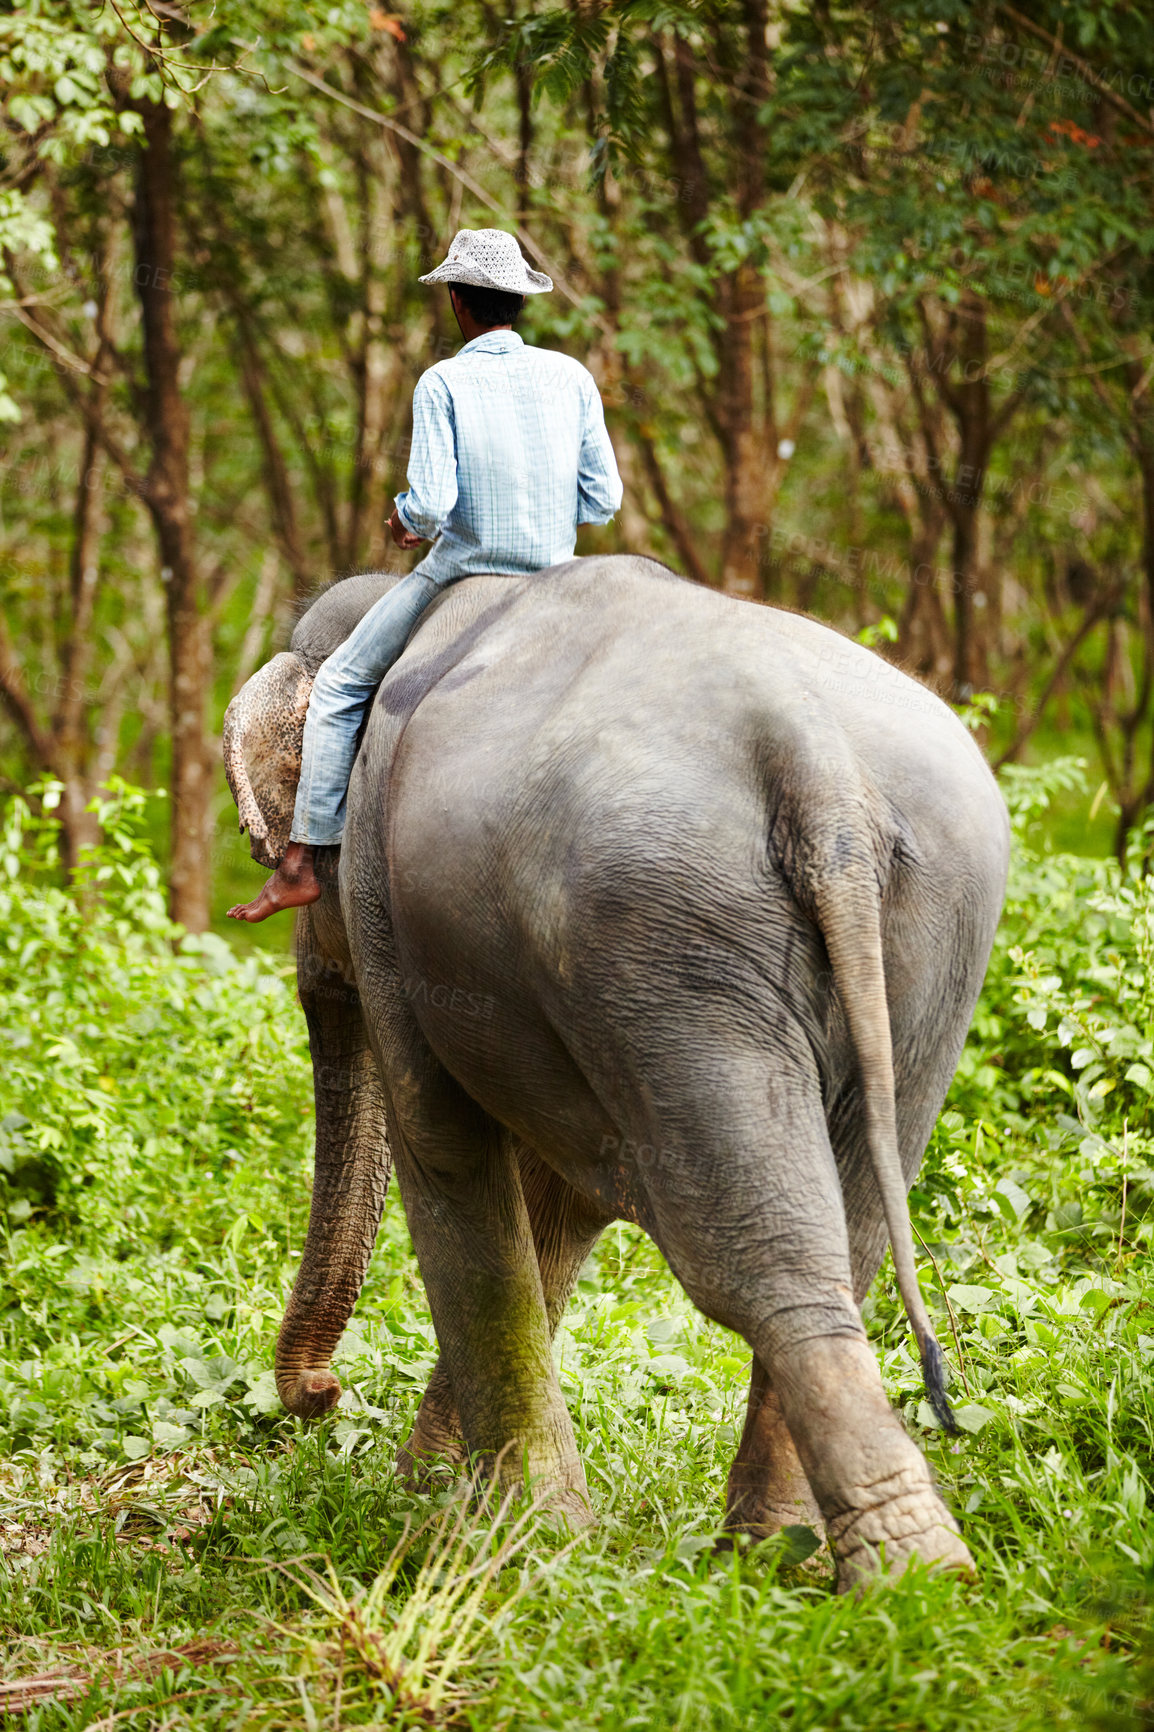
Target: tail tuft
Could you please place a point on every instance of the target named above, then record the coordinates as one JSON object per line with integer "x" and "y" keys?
{"x": 934, "y": 1372}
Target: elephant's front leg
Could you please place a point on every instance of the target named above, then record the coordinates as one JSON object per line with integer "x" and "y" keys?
{"x": 768, "y": 1489}
{"x": 565, "y": 1228}
{"x": 459, "y": 1179}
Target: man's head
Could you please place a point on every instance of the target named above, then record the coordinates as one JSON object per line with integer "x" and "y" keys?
{"x": 478, "y": 309}
{"x": 488, "y": 279}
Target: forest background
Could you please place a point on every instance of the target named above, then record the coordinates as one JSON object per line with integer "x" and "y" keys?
{"x": 867, "y": 291}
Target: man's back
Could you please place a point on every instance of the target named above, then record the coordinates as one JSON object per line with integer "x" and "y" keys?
{"x": 510, "y": 454}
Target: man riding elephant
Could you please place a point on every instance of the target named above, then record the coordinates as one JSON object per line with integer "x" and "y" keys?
{"x": 654, "y": 905}
{"x": 509, "y": 455}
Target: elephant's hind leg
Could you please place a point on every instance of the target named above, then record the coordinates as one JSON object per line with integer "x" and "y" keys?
{"x": 459, "y": 1181}
{"x": 750, "y": 1215}
{"x": 767, "y": 1488}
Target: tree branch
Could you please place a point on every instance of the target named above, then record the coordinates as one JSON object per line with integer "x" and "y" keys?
{"x": 15, "y": 700}
{"x": 1102, "y": 610}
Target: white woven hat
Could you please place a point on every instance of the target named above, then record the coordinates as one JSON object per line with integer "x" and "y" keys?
{"x": 489, "y": 259}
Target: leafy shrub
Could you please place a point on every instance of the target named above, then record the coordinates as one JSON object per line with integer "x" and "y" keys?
{"x": 1056, "y": 1082}
{"x": 147, "y": 1072}
{"x": 125, "y": 1036}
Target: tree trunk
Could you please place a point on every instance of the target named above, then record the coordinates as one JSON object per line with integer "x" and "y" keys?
{"x": 80, "y": 828}
{"x": 923, "y": 631}
{"x": 743, "y": 302}
{"x": 745, "y": 461}
{"x": 970, "y": 403}
{"x": 523, "y": 78}
{"x": 968, "y": 660}
{"x": 370, "y": 362}
{"x": 166, "y": 495}
{"x": 729, "y": 406}
{"x": 1141, "y": 439}
{"x": 278, "y": 486}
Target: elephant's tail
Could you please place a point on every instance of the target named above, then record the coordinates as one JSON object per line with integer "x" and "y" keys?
{"x": 848, "y": 908}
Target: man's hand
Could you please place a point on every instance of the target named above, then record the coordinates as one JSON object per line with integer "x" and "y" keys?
{"x": 402, "y": 536}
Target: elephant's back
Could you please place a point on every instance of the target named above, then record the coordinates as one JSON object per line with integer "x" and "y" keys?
{"x": 605, "y": 676}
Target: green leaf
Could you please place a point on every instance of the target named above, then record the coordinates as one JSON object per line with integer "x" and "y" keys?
{"x": 199, "y": 1372}
{"x": 664, "y": 1329}
{"x": 797, "y": 1544}
{"x": 971, "y": 1416}
{"x": 29, "y": 111}
{"x": 262, "y": 1395}
{"x": 972, "y": 1299}
{"x": 169, "y": 1436}
{"x": 1019, "y": 1201}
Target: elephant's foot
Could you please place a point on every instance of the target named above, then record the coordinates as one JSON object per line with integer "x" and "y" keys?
{"x": 544, "y": 1471}
{"x": 767, "y": 1488}
{"x": 434, "y": 1450}
{"x": 434, "y": 1454}
{"x": 309, "y": 1394}
{"x": 425, "y": 1471}
{"x": 761, "y": 1507}
{"x": 424, "y": 1466}
{"x": 873, "y": 1484}
{"x": 900, "y": 1519}
{"x": 567, "y": 1505}
{"x": 425, "y": 1461}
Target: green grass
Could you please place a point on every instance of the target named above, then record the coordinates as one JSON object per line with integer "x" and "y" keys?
{"x": 195, "y": 1557}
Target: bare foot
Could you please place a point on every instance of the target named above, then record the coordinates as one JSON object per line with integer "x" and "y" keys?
{"x": 293, "y": 885}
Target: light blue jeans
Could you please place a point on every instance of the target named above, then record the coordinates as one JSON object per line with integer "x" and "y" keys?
{"x": 340, "y": 697}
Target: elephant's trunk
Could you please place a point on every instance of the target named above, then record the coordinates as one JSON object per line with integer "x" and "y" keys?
{"x": 351, "y": 1178}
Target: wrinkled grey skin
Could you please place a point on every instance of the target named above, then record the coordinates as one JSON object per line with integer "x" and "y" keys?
{"x": 624, "y": 862}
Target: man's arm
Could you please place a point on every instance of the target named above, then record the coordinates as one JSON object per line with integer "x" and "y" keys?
{"x": 423, "y": 509}
{"x": 599, "y": 488}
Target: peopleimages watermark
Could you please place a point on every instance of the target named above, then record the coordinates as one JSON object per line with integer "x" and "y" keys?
{"x": 640, "y": 1154}
{"x": 1052, "y": 67}
{"x": 853, "y": 566}
{"x": 332, "y": 978}
{"x": 52, "y": 686}
{"x": 455, "y": 999}
{"x": 960, "y": 159}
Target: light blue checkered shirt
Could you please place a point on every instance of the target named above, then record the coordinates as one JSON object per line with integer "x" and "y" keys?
{"x": 509, "y": 455}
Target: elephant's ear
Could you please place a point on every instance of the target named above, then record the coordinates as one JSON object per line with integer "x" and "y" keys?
{"x": 263, "y": 732}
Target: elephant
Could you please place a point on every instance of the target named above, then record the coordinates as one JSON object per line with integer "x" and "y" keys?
{"x": 658, "y": 905}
